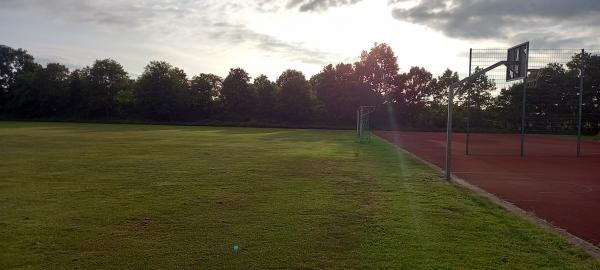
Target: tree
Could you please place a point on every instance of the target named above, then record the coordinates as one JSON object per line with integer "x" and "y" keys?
{"x": 12, "y": 63}
{"x": 410, "y": 94}
{"x": 237, "y": 95}
{"x": 435, "y": 113}
{"x": 295, "y": 103}
{"x": 78, "y": 100}
{"x": 161, "y": 92}
{"x": 42, "y": 92}
{"x": 327, "y": 90}
{"x": 54, "y": 89}
{"x": 591, "y": 89}
{"x": 475, "y": 99}
{"x": 506, "y": 107}
{"x": 105, "y": 79}
{"x": 205, "y": 90}
{"x": 439, "y": 93}
{"x": 378, "y": 68}
{"x": 478, "y": 91}
{"x": 413, "y": 88}
{"x": 341, "y": 92}
{"x": 267, "y": 94}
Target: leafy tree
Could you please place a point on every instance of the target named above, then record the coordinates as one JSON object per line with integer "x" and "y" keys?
{"x": 237, "y": 95}
{"x": 42, "y": 92}
{"x": 411, "y": 94}
{"x": 341, "y": 92}
{"x": 105, "y": 79}
{"x": 78, "y": 99}
{"x": 378, "y": 68}
{"x": 506, "y": 107}
{"x": 161, "y": 92}
{"x": 205, "y": 90}
{"x": 327, "y": 92}
{"x": 439, "y": 93}
{"x": 412, "y": 89}
{"x": 478, "y": 91}
{"x": 435, "y": 112}
{"x": 267, "y": 94}
{"x": 54, "y": 89}
{"x": 125, "y": 99}
{"x": 295, "y": 103}
{"x": 475, "y": 99}
{"x": 591, "y": 89}
{"x": 12, "y": 63}
{"x": 24, "y": 93}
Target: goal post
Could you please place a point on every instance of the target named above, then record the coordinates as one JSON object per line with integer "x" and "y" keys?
{"x": 363, "y": 122}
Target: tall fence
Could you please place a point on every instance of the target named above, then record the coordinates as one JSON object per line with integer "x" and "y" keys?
{"x": 562, "y": 93}
{"x": 538, "y": 59}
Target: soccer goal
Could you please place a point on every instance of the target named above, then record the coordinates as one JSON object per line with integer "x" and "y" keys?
{"x": 363, "y": 122}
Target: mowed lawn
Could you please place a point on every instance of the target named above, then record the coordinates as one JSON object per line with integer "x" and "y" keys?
{"x": 99, "y": 196}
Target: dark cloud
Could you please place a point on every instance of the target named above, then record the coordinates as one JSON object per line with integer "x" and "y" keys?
{"x": 117, "y": 13}
{"x": 545, "y": 22}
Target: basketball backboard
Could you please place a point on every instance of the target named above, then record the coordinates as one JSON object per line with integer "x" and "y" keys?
{"x": 517, "y": 62}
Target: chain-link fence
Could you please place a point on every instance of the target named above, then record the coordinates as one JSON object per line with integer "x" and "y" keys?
{"x": 561, "y": 93}
{"x": 538, "y": 59}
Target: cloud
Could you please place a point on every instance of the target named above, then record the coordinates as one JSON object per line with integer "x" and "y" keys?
{"x": 545, "y": 22}
{"x": 209, "y": 23}
{"x": 301, "y": 5}
{"x": 317, "y": 5}
{"x": 237, "y": 34}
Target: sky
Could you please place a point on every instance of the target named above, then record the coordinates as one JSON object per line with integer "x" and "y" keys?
{"x": 268, "y": 37}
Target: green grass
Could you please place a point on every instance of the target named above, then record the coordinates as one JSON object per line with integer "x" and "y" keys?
{"x": 97, "y": 196}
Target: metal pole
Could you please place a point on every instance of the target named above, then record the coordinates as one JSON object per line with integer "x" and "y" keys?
{"x": 524, "y": 112}
{"x": 469, "y": 105}
{"x": 361, "y": 124}
{"x": 449, "y": 134}
{"x": 450, "y": 105}
{"x": 581, "y": 78}
{"x": 523, "y": 115}
{"x": 357, "y": 122}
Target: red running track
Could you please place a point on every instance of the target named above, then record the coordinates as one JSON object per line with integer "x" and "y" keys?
{"x": 550, "y": 181}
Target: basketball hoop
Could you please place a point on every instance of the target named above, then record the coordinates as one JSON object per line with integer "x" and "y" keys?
{"x": 517, "y": 62}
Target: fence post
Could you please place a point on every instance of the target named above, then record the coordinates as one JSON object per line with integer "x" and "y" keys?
{"x": 524, "y": 109}
{"x": 524, "y": 116}
{"x": 469, "y": 104}
{"x": 357, "y": 122}
{"x": 580, "y": 105}
{"x": 449, "y": 134}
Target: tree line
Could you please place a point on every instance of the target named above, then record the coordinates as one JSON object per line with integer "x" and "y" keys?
{"x": 164, "y": 93}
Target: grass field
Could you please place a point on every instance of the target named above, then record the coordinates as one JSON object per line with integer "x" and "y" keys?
{"x": 94, "y": 196}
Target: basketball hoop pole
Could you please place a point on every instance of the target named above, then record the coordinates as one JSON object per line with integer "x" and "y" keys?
{"x": 450, "y": 104}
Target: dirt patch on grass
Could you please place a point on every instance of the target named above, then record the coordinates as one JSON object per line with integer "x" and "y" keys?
{"x": 137, "y": 224}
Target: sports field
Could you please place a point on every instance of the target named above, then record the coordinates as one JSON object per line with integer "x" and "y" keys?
{"x": 99, "y": 196}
